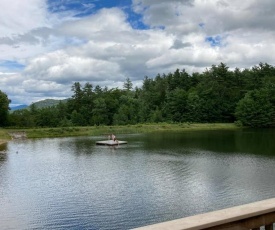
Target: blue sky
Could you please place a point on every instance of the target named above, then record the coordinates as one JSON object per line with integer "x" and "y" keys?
{"x": 11, "y": 65}
{"x": 47, "y": 45}
{"x": 84, "y": 8}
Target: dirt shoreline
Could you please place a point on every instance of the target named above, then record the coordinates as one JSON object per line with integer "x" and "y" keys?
{"x": 3, "y": 142}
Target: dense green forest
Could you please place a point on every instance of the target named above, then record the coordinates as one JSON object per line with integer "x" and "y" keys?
{"x": 219, "y": 94}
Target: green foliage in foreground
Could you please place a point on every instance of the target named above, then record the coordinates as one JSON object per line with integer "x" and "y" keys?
{"x": 128, "y": 129}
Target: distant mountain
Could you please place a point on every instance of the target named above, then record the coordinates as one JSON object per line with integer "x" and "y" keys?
{"x": 39, "y": 104}
{"x": 47, "y": 103}
{"x": 13, "y": 108}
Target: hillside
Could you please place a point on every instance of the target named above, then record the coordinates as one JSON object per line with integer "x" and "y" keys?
{"x": 19, "y": 107}
{"x": 47, "y": 103}
{"x": 40, "y": 104}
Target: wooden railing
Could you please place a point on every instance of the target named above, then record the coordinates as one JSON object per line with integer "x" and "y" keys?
{"x": 248, "y": 216}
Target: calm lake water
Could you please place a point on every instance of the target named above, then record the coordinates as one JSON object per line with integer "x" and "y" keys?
{"x": 70, "y": 183}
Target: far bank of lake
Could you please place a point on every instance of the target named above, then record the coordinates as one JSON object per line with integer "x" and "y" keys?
{"x": 105, "y": 130}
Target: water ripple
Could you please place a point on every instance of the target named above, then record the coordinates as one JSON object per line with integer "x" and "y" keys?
{"x": 70, "y": 183}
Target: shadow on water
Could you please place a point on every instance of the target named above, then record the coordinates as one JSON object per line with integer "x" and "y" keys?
{"x": 85, "y": 146}
{"x": 78, "y": 146}
{"x": 256, "y": 141}
{"x": 247, "y": 141}
{"x": 3, "y": 157}
{"x": 3, "y": 153}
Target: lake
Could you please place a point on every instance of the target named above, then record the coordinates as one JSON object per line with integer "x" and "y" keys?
{"x": 71, "y": 183}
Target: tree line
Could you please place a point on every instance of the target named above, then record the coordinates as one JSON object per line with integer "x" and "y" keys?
{"x": 219, "y": 94}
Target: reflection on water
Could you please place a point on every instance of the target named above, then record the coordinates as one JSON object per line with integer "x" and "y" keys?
{"x": 70, "y": 183}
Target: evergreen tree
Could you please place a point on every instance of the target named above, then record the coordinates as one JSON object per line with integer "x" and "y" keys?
{"x": 216, "y": 95}
{"x": 128, "y": 85}
{"x": 176, "y": 105}
{"x": 4, "y": 108}
{"x": 256, "y": 109}
{"x": 127, "y": 112}
{"x": 99, "y": 113}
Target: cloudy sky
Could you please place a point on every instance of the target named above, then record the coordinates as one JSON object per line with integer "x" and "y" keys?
{"x": 47, "y": 45}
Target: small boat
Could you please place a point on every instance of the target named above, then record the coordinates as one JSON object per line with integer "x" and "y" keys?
{"x": 111, "y": 142}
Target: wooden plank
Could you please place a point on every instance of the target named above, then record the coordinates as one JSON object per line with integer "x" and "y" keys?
{"x": 246, "y": 216}
{"x": 253, "y": 223}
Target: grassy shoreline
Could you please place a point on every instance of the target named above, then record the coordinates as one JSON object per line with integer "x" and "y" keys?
{"x": 4, "y": 136}
{"x": 103, "y": 130}
{"x": 3, "y": 142}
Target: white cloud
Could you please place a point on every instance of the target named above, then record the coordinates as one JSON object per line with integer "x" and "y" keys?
{"x": 245, "y": 28}
{"x": 104, "y": 49}
{"x": 44, "y": 88}
{"x": 61, "y": 67}
{"x": 106, "y": 20}
{"x": 21, "y": 16}
{"x": 112, "y": 54}
{"x": 218, "y": 16}
{"x": 24, "y": 25}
